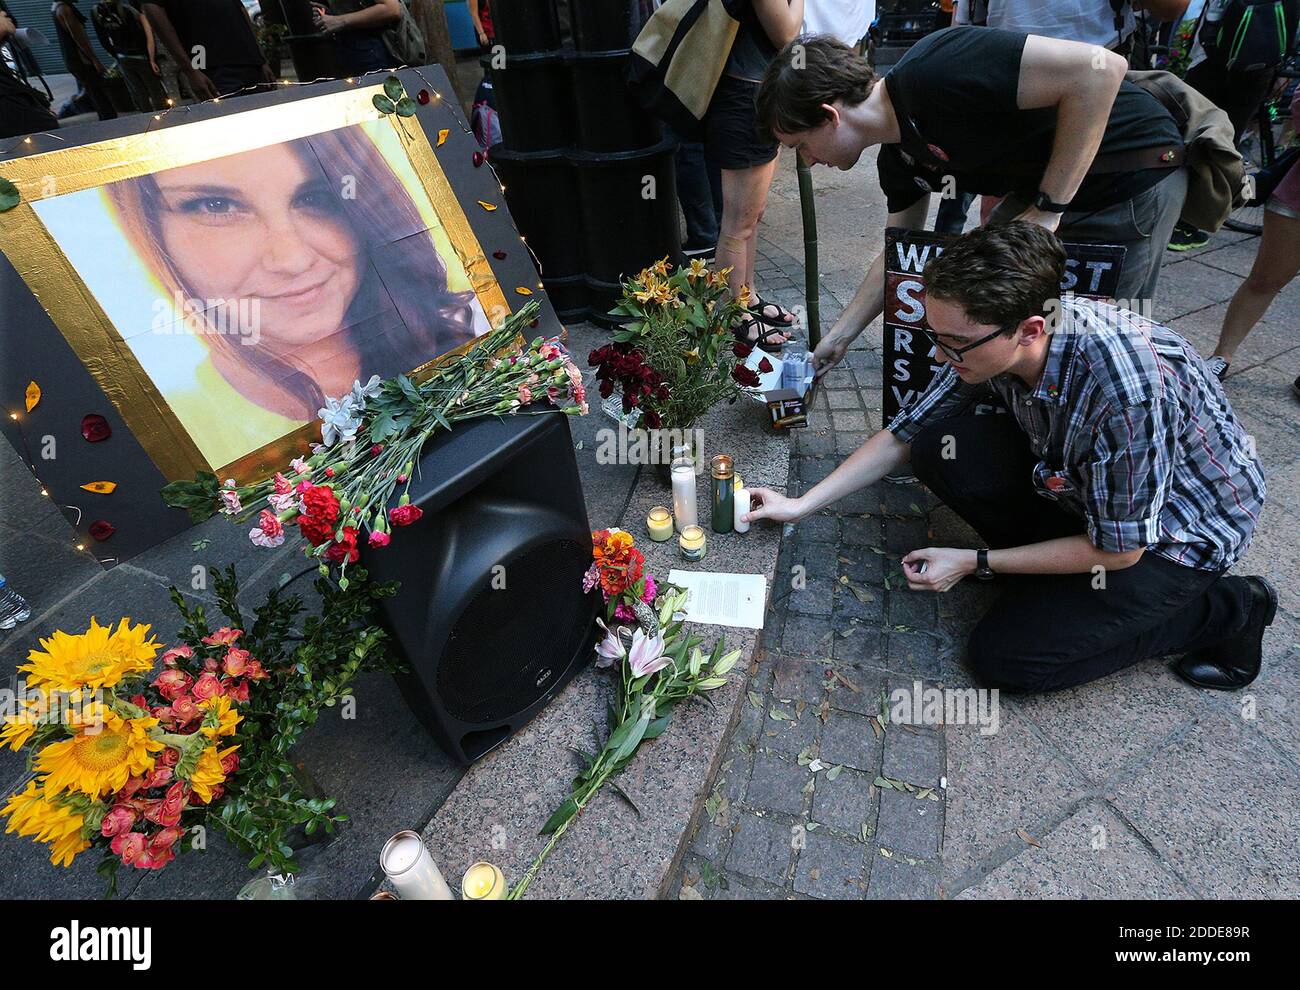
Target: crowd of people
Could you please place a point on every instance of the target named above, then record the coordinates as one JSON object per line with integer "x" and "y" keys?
{"x": 1120, "y": 455}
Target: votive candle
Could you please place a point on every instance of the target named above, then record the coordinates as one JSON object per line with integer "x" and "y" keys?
{"x": 692, "y": 542}
{"x": 660, "y": 524}
{"x": 483, "y": 882}
{"x": 407, "y": 863}
{"x": 742, "y": 506}
{"x": 684, "y": 508}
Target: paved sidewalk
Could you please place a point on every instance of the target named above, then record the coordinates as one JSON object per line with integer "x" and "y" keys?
{"x": 1134, "y": 786}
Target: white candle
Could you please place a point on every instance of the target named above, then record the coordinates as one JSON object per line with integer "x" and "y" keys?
{"x": 742, "y": 506}
{"x": 684, "y": 508}
{"x": 408, "y": 864}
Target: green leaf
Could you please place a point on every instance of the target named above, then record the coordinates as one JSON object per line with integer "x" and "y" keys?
{"x": 632, "y": 741}
{"x": 383, "y": 104}
{"x": 406, "y": 107}
{"x": 393, "y": 88}
{"x": 657, "y": 727}
{"x": 9, "y": 195}
{"x": 561, "y": 815}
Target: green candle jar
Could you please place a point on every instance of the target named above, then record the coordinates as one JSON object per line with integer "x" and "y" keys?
{"x": 724, "y": 498}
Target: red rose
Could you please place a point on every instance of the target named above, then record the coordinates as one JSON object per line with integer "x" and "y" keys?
{"x": 207, "y": 686}
{"x": 345, "y": 548}
{"x": 404, "y": 515}
{"x": 765, "y": 366}
{"x": 229, "y": 763}
{"x": 172, "y": 683}
{"x": 238, "y": 692}
{"x": 236, "y": 661}
{"x": 741, "y": 349}
{"x": 129, "y": 846}
{"x": 745, "y": 376}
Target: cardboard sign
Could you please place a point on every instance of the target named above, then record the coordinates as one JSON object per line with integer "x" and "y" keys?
{"x": 1092, "y": 270}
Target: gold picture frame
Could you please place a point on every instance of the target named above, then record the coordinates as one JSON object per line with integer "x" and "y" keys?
{"x": 37, "y": 257}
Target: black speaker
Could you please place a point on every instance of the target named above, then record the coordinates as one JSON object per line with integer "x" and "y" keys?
{"x": 491, "y": 617}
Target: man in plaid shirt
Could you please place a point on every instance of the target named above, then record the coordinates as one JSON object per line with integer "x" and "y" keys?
{"x": 1112, "y": 498}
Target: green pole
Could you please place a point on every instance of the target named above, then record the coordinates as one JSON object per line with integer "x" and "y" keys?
{"x": 809, "y": 209}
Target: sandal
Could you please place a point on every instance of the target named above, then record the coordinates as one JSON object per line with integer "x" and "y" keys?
{"x": 783, "y": 318}
{"x": 761, "y": 341}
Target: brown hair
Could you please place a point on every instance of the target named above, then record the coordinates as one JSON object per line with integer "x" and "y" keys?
{"x": 999, "y": 275}
{"x": 415, "y": 278}
{"x": 805, "y": 74}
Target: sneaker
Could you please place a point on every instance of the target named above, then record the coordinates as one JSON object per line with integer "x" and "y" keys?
{"x": 1218, "y": 365}
{"x": 1186, "y": 238}
{"x": 1235, "y": 662}
{"x": 705, "y": 253}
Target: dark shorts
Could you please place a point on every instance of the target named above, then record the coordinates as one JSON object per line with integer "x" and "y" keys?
{"x": 729, "y": 138}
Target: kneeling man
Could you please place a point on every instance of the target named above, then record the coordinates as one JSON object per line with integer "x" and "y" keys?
{"x": 1111, "y": 499}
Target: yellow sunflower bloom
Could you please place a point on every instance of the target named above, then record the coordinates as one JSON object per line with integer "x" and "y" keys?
{"x": 97, "y": 658}
{"x": 227, "y": 717}
{"x": 33, "y": 813}
{"x": 19, "y": 728}
{"x": 105, "y": 752}
{"x": 208, "y": 773}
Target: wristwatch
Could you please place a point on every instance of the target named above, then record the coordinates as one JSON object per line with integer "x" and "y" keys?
{"x": 1044, "y": 202}
{"x": 982, "y": 569}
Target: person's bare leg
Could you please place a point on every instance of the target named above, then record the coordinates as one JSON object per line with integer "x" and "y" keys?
{"x": 1276, "y": 264}
{"x": 744, "y": 196}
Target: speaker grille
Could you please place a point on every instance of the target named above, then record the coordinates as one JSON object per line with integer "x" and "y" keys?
{"x": 485, "y": 674}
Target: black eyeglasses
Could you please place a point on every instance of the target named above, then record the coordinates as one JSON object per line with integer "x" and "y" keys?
{"x": 955, "y": 353}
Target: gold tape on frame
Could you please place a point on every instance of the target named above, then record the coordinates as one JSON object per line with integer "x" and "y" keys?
{"x": 39, "y": 260}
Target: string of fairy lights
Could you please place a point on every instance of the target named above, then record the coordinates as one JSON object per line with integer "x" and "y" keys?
{"x": 33, "y": 141}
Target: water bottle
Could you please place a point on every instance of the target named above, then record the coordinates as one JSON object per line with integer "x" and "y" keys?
{"x": 13, "y": 607}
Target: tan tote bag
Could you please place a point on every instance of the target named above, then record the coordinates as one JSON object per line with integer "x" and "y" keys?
{"x": 678, "y": 58}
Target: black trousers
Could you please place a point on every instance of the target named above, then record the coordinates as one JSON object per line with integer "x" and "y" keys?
{"x": 1046, "y": 632}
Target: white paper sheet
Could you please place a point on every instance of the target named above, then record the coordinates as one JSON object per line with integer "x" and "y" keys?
{"x": 723, "y": 599}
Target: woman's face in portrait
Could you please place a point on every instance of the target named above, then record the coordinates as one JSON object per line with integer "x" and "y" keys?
{"x": 263, "y": 226}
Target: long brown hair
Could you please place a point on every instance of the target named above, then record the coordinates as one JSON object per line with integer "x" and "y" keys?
{"x": 435, "y": 319}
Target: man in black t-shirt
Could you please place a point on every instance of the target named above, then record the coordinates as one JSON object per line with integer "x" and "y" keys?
{"x": 1051, "y": 125}
{"x": 22, "y": 109}
{"x": 214, "y": 44}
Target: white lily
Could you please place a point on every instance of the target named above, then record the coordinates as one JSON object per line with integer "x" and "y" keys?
{"x": 609, "y": 649}
{"x": 647, "y": 654}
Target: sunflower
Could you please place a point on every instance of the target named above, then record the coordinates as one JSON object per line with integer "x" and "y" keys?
{"x": 225, "y": 716}
{"x": 97, "y": 658}
{"x": 106, "y": 751}
{"x": 208, "y": 773}
{"x": 21, "y": 726}
{"x": 35, "y": 813}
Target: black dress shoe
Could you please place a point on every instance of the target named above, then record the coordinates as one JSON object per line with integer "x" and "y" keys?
{"x": 1235, "y": 662}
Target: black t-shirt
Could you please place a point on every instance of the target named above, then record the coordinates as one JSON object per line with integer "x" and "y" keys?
{"x": 220, "y": 26}
{"x": 752, "y": 51}
{"x": 955, "y": 95}
{"x": 120, "y": 30}
{"x": 22, "y": 109}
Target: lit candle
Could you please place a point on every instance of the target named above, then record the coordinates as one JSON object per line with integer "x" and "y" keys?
{"x": 742, "y": 506}
{"x": 684, "y": 510}
{"x": 692, "y": 543}
{"x": 483, "y": 882}
{"x": 660, "y": 524}
{"x": 407, "y": 863}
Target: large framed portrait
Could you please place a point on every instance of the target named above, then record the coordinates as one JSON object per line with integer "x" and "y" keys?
{"x": 219, "y": 275}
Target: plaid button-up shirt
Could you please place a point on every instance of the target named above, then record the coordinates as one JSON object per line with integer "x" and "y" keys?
{"x": 1134, "y": 432}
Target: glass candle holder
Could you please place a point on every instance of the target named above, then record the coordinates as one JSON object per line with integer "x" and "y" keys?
{"x": 692, "y": 542}
{"x": 659, "y": 523}
{"x": 483, "y": 882}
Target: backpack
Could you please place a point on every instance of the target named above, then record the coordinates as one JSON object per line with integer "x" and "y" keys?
{"x": 1215, "y": 172}
{"x": 1251, "y": 34}
{"x": 404, "y": 40}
